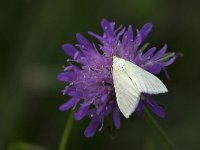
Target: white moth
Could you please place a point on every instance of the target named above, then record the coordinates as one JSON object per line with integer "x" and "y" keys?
{"x": 130, "y": 81}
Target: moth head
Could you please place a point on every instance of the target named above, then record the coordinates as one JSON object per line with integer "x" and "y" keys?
{"x": 118, "y": 62}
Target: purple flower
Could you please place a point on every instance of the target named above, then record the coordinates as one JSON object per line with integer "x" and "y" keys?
{"x": 90, "y": 78}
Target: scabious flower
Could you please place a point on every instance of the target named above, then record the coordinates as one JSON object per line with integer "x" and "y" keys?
{"x": 89, "y": 72}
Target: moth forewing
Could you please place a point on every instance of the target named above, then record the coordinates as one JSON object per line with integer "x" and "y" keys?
{"x": 127, "y": 93}
{"x": 145, "y": 81}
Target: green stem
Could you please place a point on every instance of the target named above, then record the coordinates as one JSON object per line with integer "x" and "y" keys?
{"x": 68, "y": 127}
{"x": 158, "y": 130}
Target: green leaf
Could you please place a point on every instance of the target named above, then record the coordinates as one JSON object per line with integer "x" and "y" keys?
{"x": 166, "y": 57}
{"x": 25, "y": 146}
{"x": 144, "y": 47}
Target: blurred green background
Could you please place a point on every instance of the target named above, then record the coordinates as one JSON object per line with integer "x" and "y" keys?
{"x": 31, "y": 34}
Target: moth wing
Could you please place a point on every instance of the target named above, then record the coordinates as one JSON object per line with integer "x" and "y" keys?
{"x": 144, "y": 80}
{"x": 127, "y": 93}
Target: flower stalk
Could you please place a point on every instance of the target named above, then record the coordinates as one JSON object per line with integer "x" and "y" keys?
{"x": 67, "y": 131}
{"x": 158, "y": 130}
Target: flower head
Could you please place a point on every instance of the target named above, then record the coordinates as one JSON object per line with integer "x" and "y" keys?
{"x": 90, "y": 78}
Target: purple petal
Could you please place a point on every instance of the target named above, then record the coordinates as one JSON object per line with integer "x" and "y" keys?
{"x": 128, "y": 36}
{"x": 82, "y": 111}
{"x": 116, "y": 117}
{"x": 100, "y": 108}
{"x": 78, "y": 56}
{"x": 138, "y": 57}
{"x": 157, "y": 109}
{"x": 72, "y": 91}
{"x": 169, "y": 62}
{"x": 166, "y": 73}
{"x": 70, "y": 103}
{"x": 137, "y": 40}
{"x": 83, "y": 41}
{"x": 104, "y": 98}
{"x": 120, "y": 33}
{"x": 154, "y": 68}
{"x": 67, "y": 76}
{"x": 145, "y": 30}
{"x": 96, "y": 36}
{"x": 71, "y": 67}
{"x": 160, "y": 53}
{"x": 92, "y": 127}
{"x": 107, "y": 28}
{"x": 139, "y": 108}
{"x": 109, "y": 107}
{"x": 69, "y": 50}
{"x": 150, "y": 52}
{"x": 112, "y": 25}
